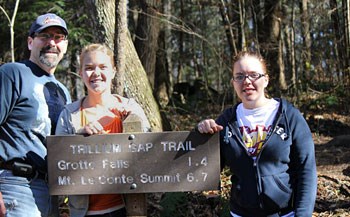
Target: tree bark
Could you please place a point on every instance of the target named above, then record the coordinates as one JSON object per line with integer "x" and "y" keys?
{"x": 242, "y": 23}
{"x": 338, "y": 39}
{"x": 306, "y": 58}
{"x": 291, "y": 48}
{"x": 281, "y": 46}
{"x": 347, "y": 46}
{"x": 161, "y": 80}
{"x": 138, "y": 86}
{"x": 146, "y": 41}
{"x": 227, "y": 20}
{"x": 102, "y": 17}
{"x": 181, "y": 39}
{"x": 121, "y": 31}
{"x": 268, "y": 33}
{"x": 164, "y": 66}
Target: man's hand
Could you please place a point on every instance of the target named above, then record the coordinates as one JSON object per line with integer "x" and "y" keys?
{"x": 2, "y": 206}
{"x": 209, "y": 126}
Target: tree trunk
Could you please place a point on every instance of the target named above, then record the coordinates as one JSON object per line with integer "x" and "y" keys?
{"x": 242, "y": 23}
{"x": 224, "y": 8}
{"x": 168, "y": 37}
{"x": 346, "y": 26}
{"x": 134, "y": 79}
{"x": 306, "y": 58}
{"x": 338, "y": 39}
{"x": 137, "y": 86}
{"x": 162, "y": 75}
{"x": 281, "y": 46}
{"x": 256, "y": 19}
{"x": 146, "y": 41}
{"x": 291, "y": 49}
{"x": 181, "y": 46}
{"x": 121, "y": 31}
{"x": 102, "y": 16}
{"x": 269, "y": 32}
{"x": 163, "y": 78}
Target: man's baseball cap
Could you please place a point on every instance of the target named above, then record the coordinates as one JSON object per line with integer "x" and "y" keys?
{"x": 47, "y": 20}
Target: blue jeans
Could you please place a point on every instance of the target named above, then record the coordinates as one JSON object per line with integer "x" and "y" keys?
{"x": 291, "y": 214}
{"x": 23, "y": 197}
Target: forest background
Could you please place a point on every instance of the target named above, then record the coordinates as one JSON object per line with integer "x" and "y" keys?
{"x": 174, "y": 58}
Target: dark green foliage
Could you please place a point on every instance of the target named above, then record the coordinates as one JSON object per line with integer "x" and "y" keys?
{"x": 191, "y": 204}
{"x": 173, "y": 204}
{"x": 69, "y": 10}
{"x": 77, "y": 22}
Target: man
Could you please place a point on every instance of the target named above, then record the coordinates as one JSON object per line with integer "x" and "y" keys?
{"x": 30, "y": 101}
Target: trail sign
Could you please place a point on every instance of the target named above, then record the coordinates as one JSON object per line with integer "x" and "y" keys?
{"x": 133, "y": 163}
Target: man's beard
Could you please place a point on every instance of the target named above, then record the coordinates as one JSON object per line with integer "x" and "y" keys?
{"x": 48, "y": 61}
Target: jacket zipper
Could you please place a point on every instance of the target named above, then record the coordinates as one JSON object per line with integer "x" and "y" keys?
{"x": 239, "y": 138}
{"x": 255, "y": 164}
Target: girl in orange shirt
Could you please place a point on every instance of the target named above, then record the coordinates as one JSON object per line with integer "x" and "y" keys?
{"x": 99, "y": 112}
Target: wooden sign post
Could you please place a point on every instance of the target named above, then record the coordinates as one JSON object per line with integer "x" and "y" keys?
{"x": 135, "y": 204}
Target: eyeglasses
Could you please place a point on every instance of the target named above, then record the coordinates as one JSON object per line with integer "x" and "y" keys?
{"x": 239, "y": 77}
{"x": 47, "y": 36}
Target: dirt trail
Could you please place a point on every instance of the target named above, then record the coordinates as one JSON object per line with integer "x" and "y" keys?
{"x": 333, "y": 158}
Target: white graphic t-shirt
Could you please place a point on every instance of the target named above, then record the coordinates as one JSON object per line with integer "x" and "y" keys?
{"x": 255, "y": 124}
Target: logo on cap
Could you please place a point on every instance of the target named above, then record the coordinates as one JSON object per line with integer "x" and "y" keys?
{"x": 52, "y": 20}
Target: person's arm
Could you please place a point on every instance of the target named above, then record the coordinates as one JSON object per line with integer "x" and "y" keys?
{"x": 8, "y": 97}
{"x": 304, "y": 164}
{"x": 8, "y": 94}
{"x": 2, "y": 206}
{"x": 69, "y": 123}
{"x": 63, "y": 127}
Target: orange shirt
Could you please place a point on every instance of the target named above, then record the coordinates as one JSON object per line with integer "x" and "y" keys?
{"x": 100, "y": 202}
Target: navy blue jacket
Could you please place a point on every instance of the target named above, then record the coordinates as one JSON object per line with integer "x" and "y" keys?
{"x": 30, "y": 103}
{"x": 283, "y": 177}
